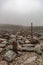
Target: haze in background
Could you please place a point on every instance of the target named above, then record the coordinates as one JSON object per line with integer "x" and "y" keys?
{"x": 21, "y": 12}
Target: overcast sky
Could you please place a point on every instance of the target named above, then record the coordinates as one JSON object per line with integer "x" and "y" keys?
{"x": 21, "y": 12}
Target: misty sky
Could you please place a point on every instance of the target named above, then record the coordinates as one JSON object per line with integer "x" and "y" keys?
{"x": 21, "y": 12}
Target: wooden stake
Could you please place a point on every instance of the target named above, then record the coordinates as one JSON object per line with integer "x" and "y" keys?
{"x": 31, "y": 31}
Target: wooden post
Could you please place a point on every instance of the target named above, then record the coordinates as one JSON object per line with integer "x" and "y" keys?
{"x": 31, "y": 31}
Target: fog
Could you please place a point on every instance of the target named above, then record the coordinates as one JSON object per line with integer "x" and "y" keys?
{"x": 21, "y": 12}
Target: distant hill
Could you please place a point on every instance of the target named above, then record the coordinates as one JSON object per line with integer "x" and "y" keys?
{"x": 15, "y": 28}
{"x": 11, "y": 28}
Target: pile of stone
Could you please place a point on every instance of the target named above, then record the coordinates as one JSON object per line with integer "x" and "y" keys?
{"x": 24, "y": 44}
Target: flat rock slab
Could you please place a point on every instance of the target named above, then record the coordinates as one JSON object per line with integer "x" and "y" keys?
{"x": 4, "y": 42}
{"x": 28, "y": 45}
{"x": 10, "y": 55}
{"x": 30, "y": 60}
{"x": 3, "y": 63}
{"x": 28, "y": 48}
{"x": 2, "y": 45}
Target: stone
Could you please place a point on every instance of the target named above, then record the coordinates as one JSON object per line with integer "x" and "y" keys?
{"x": 34, "y": 41}
{"x": 12, "y": 36}
{"x": 3, "y": 63}
{"x": 30, "y": 60}
{"x": 9, "y": 47}
{"x": 4, "y": 42}
{"x": 0, "y": 36}
{"x": 9, "y": 55}
{"x": 2, "y": 45}
{"x": 41, "y": 38}
{"x": 38, "y": 49}
{"x": 28, "y": 45}
{"x": 27, "y": 41}
{"x": 19, "y": 47}
{"x": 1, "y": 40}
{"x": 37, "y": 34}
{"x": 1, "y": 49}
{"x": 28, "y": 48}
{"x": 20, "y": 41}
{"x": 19, "y": 37}
{"x": 11, "y": 40}
{"x": 41, "y": 46}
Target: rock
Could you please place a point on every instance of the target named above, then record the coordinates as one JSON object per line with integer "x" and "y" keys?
{"x": 34, "y": 41}
{"x": 19, "y": 47}
{"x": 37, "y": 34}
{"x": 24, "y": 38}
{"x": 27, "y": 41}
{"x": 9, "y": 55}
{"x": 41, "y": 38}
{"x": 5, "y": 35}
{"x": 29, "y": 37}
{"x": 4, "y": 42}
{"x": 20, "y": 53}
{"x": 3, "y": 63}
{"x": 41, "y": 46}
{"x": 18, "y": 33}
{"x": 20, "y": 41}
{"x": 11, "y": 40}
{"x": 1, "y": 40}
{"x": 19, "y": 37}
{"x": 30, "y": 60}
{"x": 38, "y": 49}
{"x": 9, "y": 47}
{"x": 35, "y": 37}
{"x": 12, "y": 36}
{"x": 28, "y": 49}
{"x": 0, "y": 36}
{"x": 1, "y": 49}
{"x": 2, "y": 45}
{"x": 28, "y": 45}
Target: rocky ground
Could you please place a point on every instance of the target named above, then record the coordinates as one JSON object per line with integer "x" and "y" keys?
{"x": 20, "y": 60}
{"x": 24, "y": 57}
{"x": 30, "y": 57}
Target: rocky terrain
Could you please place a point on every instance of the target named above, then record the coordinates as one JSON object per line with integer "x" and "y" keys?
{"x": 28, "y": 51}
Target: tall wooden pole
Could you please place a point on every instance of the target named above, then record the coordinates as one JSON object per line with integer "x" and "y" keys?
{"x": 31, "y": 31}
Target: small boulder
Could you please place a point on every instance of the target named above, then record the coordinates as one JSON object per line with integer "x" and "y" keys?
{"x": 10, "y": 55}
{"x": 37, "y": 49}
{"x": 30, "y": 60}
{"x": 27, "y": 41}
{"x": 12, "y": 36}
